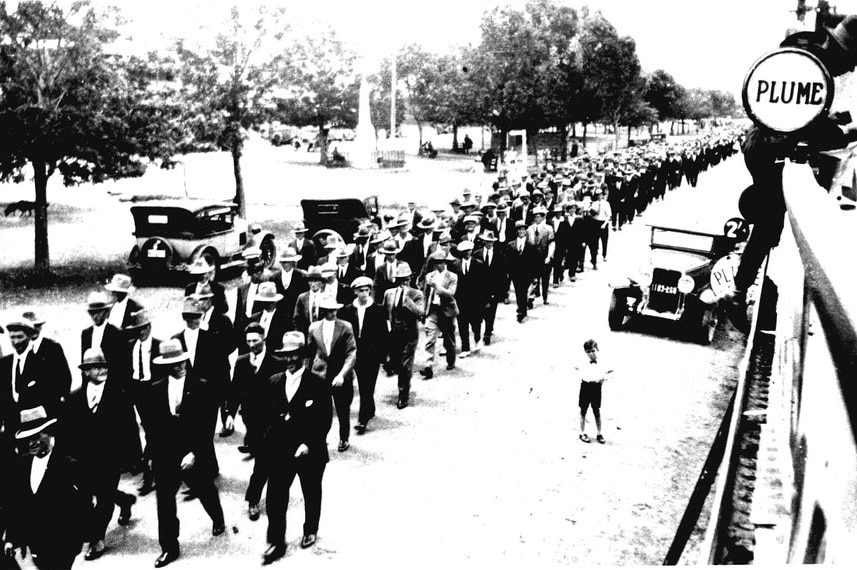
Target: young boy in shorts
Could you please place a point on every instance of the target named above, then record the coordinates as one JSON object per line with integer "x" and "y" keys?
{"x": 592, "y": 374}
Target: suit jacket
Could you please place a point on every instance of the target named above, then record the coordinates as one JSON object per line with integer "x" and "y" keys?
{"x": 303, "y": 420}
{"x": 131, "y": 306}
{"x": 413, "y": 254}
{"x": 247, "y": 389}
{"x": 211, "y": 361}
{"x": 404, "y": 319}
{"x": 297, "y": 285}
{"x": 496, "y": 275}
{"x": 541, "y": 236}
{"x": 221, "y": 326}
{"x": 472, "y": 289}
{"x": 301, "y": 318}
{"x": 351, "y": 273}
{"x": 140, "y": 391}
{"x": 508, "y": 230}
{"x": 116, "y": 350}
{"x": 218, "y": 301}
{"x": 522, "y": 264}
{"x": 447, "y": 285}
{"x": 360, "y": 259}
{"x": 342, "y": 355}
{"x": 383, "y": 282}
{"x": 34, "y": 388}
{"x": 55, "y": 364}
{"x": 372, "y": 337}
{"x": 280, "y": 323}
{"x": 308, "y": 253}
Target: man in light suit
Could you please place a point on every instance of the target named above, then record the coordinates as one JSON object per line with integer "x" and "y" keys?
{"x": 440, "y": 310}
{"x": 404, "y": 306}
{"x": 334, "y": 354}
{"x": 541, "y": 235}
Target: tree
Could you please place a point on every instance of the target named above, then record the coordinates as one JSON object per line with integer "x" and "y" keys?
{"x": 663, "y": 94}
{"x": 431, "y": 92}
{"x": 67, "y": 105}
{"x": 321, "y": 86}
{"x": 227, "y": 86}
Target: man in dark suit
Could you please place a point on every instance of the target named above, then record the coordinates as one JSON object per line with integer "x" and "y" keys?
{"x": 505, "y": 226}
{"x": 203, "y": 272}
{"x": 298, "y": 416}
{"x": 385, "y": 274}
{"x": 95, "y": 432}
{"x": 23, "y": 381}
{"x": 522, "y": 257}
{"x": 304, "y": 247}
{"x": 51, "y": 353}
{"x": 208, "y": 360}
{"x": 496, "y": 280}
{"x": 368, "y": 320}
{"x": 119, "y": 288}
{"x": 144, "y": 349}
{"x": 245, "y": 295}
{"x": 290, "y": 282}
{"x": 440, "y": 310}
{"x": 333, "y": 353}
{"x": 345, "y": 271}
{"x": 49, "y": 499}
{"x": 247, "y": 394}
{"x": 274, "y": 320}
{"x": 360, "y": 255}
{"x": 306, "y": 306}
{"x": 404, "y": 306}
{"x": 102, "y": 334}
{"x": 470, "y": 297}
{"x": 376, "y": 257}
{"x": 416, "y": 250}
{"x": 181, "y": 406}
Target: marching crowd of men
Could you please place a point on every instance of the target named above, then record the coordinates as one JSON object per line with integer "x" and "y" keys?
{"x": 302, "y": 333}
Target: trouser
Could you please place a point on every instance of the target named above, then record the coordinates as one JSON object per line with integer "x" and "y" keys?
{"x": 765, "y": 236}
{"x": 436, "y": 323}
{"x": 342, "y": 398}
{"x": 52, "y": 559}
{"x": 522, "y": 286}
{"x": 558, "y": 267}
{"x": 310, "y": 471}
{"x": 255, "y": 429}
{"x": 403, "y": 346}
{"x": 207, "y": 460}
{"x": 627, "y": 213}
{"x": 367, "y": 375}
{"x": 469, "y": 320}
{"x": 258, "y": 478}
{"x": 615, "y": 219}
{"x": 541, "y": 282}
{"x": 105, "y": 488}
{"x": 605, "y": 236}
{"x": 592, "y": 246}
{"x": 490, "y": 317}
{"x": 168, "y": 478}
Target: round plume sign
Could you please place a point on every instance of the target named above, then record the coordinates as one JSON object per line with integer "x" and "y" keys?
{"x": 787, "y": 89}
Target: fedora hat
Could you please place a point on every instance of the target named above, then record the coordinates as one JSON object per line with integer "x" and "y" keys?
{"x": 468, "y": 204}
{"x": 314, "y": 273}
{"x": 293, "y": 341}
{"x": 98, "y": 301}
{"x": 200, "y": 266}
{"x": 445, "y": 237}
{"x": 139, "y": 319}
{"x": 120, "y": 284}
{"x": 380, "y": 237}
{"x": 192, "y": 306}
{"x": 401, "y": 222}
{"x": 845, "y": 34}
{"x": 33, "y": 318}
{"x": 267, "y": 293}
{"x": 327, "y": 270}
{"x": 487, "y": 235}
{"x": 329, "y": 302}
{"x": 539, "y": 210}
{"x": 389, "y": 248}
{"x": 170, "y": 352}
{"x": 455, "y": 202}
{"x": 440, "y": 256}
{"x": 92, "y": 358}
{"x": 252, "y": 254}
{"x": 464, "y": 245}
{"x": 363, "y": 232}
{"x": 427, "y": 223}
{"x": 299, "y": 227}
{"x": 362, "y": 281}
{"x": 21, "y": 325}
{"x": 471, "y": 218}
{"x": 33, "y": 421}
{"x": 289, "y": 255}
{"x": 520, "y": 224}
{"x": 403, "y": 271}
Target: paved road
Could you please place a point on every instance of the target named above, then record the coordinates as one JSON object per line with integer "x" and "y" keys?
{"x": 485, "y": 466}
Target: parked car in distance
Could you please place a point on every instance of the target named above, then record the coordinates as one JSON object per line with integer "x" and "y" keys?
{"x": 338, "y": 216}
{"x": 171, "y": 234}
{"x": 676, "y": 283}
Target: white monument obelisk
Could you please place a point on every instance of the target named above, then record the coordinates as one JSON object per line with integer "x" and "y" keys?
{"x": 364, "y": 137}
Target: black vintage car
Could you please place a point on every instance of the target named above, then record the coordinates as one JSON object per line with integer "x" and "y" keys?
{"x": 337, "y": 216}
{"x": 682, "y": 281}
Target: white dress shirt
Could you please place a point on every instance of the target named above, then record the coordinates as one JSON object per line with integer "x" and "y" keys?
{"x": 18, "y": 362}
{"x": 143, "y": 359}
{"x": 489, "y": 256}
{"x": 117, "y": 313}
{"x": 38, "y": 469}
{"x": 501, "y": 229}
{"x": 327, "y": 334}
{"x": 519, "y": 243}
{"x": 361, "y": 314}
{"x": 286, "y": 278}
{"x": 256, "y": 359}
{"x": 94, "y": 391}
{"x": 427, "y": 241}
{"x": 251, "y": 298}
{"x": 293, "y": 381}
{"x": 97, "y": 335}
{"x": 175, "y": 391}
{"x": 36, "y": 344}
{"x": 265, "y": 320}
{"x": 191, "y": 339}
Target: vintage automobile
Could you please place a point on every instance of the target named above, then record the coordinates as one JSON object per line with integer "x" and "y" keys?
{"x": 172, "y": 234}
{"x": 678, "y": 282}
{"x": 340, "y": 217}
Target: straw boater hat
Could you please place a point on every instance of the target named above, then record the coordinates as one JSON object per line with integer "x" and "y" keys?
{"x": 92, "y": 358}
{"x": 170, "y": 352}
{"x": 314, "y": 273}
{"x": 293, "y": 341}
{"x": 252, "y": 254}
{"x": 98, "y": 301}
{"x": 33, "y": 422}
{"x": 329, "y": 302}
{"x": 471, "y": 218}
{"x": 200, "y": 266}
{"x": 289, "y": 255}
{"x": 139, "y": 319}
{"x": 120, "y": 284}
{"x": 520, "y": 224}
{"x": 380, "y": 237}
{"x": 362, "y": 281}
{"x": 539, "y": 210}
{"x": 427, "y": 223}
{"x": 465, "y": 245}
{"x": 487, "y": 235}
{"x": 267, "y": 293}
{"x": 363, "y": 232}
{"x": 299, "y": 228}
{"x": 328, "y": 270}
{"x": 32, "y": 318}
{"x": 389, "y": 248}
{"x": 403, "y": 271}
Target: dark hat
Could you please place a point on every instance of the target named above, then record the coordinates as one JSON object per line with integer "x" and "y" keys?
{"x": 454, "y": 202}
{"x": 21, "y": 325}
{"x": 33, "y": 421}
{"x": 92, "y": 358}
{"x": 170, "y": 352}
{"x": 845, "y": 34}
{"x": 192, "y": 306}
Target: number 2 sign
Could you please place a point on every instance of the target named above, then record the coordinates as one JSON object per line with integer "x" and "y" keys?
{"x": 736, "y": 229}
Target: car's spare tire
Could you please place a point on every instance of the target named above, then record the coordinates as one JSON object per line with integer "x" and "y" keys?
{"x": 156, "y": 253}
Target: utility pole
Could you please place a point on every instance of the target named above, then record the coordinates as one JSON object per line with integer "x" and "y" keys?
{"x": 393, "y": 81}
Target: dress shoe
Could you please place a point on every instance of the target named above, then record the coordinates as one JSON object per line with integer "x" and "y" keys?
{"x": 255, "y": 511}
{"x": 487, "y": 340}
{"x": 343, "y": 446}
{"x": 360, "y": 429}
{"x": 189, "y": 495}
{"x": 450, "y": 366}
{"x": 95, "y": 550}
{"x": 218, "y": 528}
{"x": 427, "y": 373}
{"x": 402, "y": 404}
{"x": 166, "y": 557}
{"x": 125, "y": 511}
{"x": 274, "y": 552}
{"x": 530, "y": 303}
{"x": 308, "y": 540}
{"x": 464, "y": 354}
{"x": 478, "y": 346}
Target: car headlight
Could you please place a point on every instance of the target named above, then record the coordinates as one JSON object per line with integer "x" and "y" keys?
{"x": 686, "y": 284}
{"x": 644, "y": 276}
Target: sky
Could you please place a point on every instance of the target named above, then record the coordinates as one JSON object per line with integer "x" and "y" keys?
{"x": 703, "y": 43}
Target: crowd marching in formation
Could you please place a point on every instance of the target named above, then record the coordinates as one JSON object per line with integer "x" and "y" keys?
{"x": 302, "y": 333}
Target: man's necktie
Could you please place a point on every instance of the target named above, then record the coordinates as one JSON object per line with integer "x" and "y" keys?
{"x": 140, "y": 359}
{"x": 401, "y": 299}
{"x": 537, "y": 233}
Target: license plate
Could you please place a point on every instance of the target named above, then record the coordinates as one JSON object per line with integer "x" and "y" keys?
{"x": 160, "y": 253}
{"x": 658, "y": 288}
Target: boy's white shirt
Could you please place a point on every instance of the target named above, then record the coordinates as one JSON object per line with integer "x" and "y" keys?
{"x": 589, "y": 371}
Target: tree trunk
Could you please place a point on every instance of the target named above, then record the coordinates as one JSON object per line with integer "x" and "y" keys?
{"x": 454, "y": 138}
{"x": 531, "y": 138}
{"x": 584, "y": 134}
{"x": 322, "y": 144}
{"x": 420, "y": 130}
{"x": 682, "y": 126}
{"x": 672, "y": 128}
{"x": 563, "y": 148}
{"x": 42, "y": 252}
{"x": 240, "y": 198}
{"x": 629, "y": 136}
{"x": 574, "y": 129}
{"x": 616, "y": 134}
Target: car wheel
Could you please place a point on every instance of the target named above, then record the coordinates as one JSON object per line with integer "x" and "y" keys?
{"x": 213, "y": 260}
{"x": 269, "y": 252}
{"x": 708, "y": 325}
{"x": 617, "y": 312}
